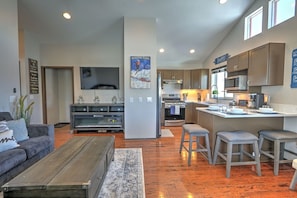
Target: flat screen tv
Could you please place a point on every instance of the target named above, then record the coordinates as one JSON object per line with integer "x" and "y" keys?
{"x": 99, "y": 77}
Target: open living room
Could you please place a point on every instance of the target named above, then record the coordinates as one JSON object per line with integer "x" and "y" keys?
{"x": 139, "y": 98}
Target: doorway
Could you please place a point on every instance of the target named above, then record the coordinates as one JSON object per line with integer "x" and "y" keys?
{"x": 57, "y": 94}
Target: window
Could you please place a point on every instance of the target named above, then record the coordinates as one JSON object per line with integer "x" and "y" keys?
{"x": 218, "y": 76}
{"x": 279, "y": 11}
{"x": 253, "y": 24}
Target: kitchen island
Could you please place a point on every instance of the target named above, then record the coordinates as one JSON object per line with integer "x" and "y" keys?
{"x": 251, "y": 121}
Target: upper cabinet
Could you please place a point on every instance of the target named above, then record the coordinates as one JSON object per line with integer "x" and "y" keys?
{"x": 238, "y": 63}
{"x": 172, "y": 74}
{"x": 266, "y": 65}
{"x": 192, "y": 79}
{"x": 199, "y": 79}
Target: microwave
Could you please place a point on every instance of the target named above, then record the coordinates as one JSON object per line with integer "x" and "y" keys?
{"x": 236, "y": 83}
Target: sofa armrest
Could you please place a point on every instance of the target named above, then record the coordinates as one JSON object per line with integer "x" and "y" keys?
{"x": 35, "y": 130}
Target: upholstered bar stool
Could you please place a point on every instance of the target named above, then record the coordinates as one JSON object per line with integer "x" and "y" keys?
{"x": 294, "y": 178}
{"x": 279, "y": 139}
{"x": 240, "y": 138}
{"x": 195, "y": 131}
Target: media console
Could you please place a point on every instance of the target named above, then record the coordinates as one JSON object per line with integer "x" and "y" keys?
{"x": 101, "y": 117}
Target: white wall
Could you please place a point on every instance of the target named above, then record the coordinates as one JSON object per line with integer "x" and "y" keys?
{"x": 140, "y": 115}
{"x": 9, "y": 64}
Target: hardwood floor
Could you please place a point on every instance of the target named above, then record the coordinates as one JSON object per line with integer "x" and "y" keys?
{"x": 167, "y": 174}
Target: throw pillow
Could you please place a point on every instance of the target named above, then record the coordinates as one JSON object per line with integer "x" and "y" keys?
{"x": 7, "y": 141}
{"x": 3, "y": 126}
{"x": 19, "y": 128}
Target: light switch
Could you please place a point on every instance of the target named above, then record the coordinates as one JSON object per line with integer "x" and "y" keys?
{"x": 149, "y": 99}
{"x": 131, "y": 99}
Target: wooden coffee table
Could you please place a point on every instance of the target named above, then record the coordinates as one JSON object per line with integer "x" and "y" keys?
{"x": 76, "y": 169}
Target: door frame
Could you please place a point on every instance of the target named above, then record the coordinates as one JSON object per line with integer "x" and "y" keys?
{"x": 43, "y": 84}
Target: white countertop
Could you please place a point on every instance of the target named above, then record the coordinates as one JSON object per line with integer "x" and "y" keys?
{"x": 248, "y": 113}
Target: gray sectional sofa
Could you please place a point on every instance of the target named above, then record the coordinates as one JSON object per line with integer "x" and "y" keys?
{"x": 39, "y": 144}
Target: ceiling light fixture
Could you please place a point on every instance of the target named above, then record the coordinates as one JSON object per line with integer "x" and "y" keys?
{"x": 192, "y": 51}
{"x": 66, "y": 15}
{"x": 222, "y": 1}
{"x": 161, "y": 50}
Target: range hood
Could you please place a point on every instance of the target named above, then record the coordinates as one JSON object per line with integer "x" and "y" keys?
{"x": 168, "y": 81}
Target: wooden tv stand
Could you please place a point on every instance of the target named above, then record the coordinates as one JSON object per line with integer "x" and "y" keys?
{"x": 97, "y": 116}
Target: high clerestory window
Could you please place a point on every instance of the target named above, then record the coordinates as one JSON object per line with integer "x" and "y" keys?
{"x": 280, "y": 11}
{"x": 253, "y": 24}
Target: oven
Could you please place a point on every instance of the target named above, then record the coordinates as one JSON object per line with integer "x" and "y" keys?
{"x": 175, "y": 111}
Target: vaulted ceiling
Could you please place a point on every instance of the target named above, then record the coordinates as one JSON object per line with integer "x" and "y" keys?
{"x": 181, "y": 24}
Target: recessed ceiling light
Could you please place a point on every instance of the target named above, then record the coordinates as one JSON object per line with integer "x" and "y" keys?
{"x": 66, "y": 15}
{"x": 222, "y": 1}
{"x": 161, "y": 50}
{"x": 192, "y": 51}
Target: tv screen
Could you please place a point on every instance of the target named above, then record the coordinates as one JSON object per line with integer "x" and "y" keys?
{"x": 99, "y": 77}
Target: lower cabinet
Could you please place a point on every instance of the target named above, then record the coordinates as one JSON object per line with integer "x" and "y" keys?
{"x": 191, "y": 112}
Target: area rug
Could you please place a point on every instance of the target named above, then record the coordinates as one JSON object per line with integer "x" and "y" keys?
{"x": 166, "y": 133}
{"x": 125, "y": 176}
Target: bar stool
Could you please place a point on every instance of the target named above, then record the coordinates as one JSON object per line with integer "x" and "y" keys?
{"x": 294, "y": 178}
{"x": 240, "y": 138}
{"x": 279, "y": 138}
{"x": 195, "y": 130}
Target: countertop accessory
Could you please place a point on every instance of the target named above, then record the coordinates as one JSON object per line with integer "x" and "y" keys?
{"x": 114, "y": 100}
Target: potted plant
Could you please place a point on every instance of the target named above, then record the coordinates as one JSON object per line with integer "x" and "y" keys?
{"x": 22, "y": 111}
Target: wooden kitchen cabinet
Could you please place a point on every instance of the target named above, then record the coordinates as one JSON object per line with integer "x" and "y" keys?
{"x": 187, "y": 80}
{"x": 199, "y": 79}
{"x": 172, "y": 74}
{"x": 266, "y": 65}
{"x": 238, "y": 63}
{"x": 188, "y": 114}
{"x": 191, "y": 112}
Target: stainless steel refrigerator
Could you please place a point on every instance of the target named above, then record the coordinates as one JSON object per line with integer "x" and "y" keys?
{"x": 159, "y": 105}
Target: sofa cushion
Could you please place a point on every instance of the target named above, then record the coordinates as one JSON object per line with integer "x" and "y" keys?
{"x": 11, "y": 158}
{"x": 19, "y": 128}
{"x": 7, "y": 141}
{"x": 3, "y": 126}
{"x": 34, "y": 145}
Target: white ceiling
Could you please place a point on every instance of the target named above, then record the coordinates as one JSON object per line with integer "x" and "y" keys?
{"x": 181, "y": 24}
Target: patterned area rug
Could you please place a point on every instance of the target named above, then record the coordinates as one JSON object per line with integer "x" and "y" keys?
{"x": 125, "y": 176}
{"x": 166, "y": 133}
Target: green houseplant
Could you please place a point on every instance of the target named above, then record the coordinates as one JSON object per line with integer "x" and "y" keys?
{"x": 23, "y": 111}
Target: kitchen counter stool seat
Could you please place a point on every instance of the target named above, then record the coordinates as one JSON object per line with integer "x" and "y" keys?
{"x": 240, "y": 138}
{"x": 195, "y": 130}
{"x": 279, "y": 138}
{"x": 294, "y": 178}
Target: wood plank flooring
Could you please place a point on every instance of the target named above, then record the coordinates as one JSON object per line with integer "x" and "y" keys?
{"x": 167, "y": 174}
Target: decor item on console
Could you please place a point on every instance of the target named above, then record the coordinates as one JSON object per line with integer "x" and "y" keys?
{"x": 20, "y": 111}
{"x": 21, "y": 146}
{"x": 80, "y": 99}
{"x": 96, "y": 99}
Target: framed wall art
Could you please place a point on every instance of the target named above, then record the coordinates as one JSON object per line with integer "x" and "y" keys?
{"x": 140, "y": 75}
{"x": 33, "y": 76}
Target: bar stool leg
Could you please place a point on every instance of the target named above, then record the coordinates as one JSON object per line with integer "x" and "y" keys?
{"x": 208, "y": 149}
{"x": 229, "y": 159}
{"x": 276, "y": 156}
{"x": 217, "y": 146}
{"x": 241, "y": 152}
{"x": 294, "y": 181}
{"x": 190, "y": 150}
{"x": 257, "y": 158}
{"x": 182, "y": 141}
{"x": 261, "y": 139}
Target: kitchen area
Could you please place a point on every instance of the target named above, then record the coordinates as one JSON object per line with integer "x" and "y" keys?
{"x": 195, "y": 96}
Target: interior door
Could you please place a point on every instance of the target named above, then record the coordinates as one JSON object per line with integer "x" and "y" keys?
{"x": 58, "y": 94}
